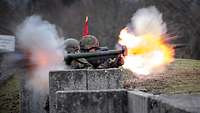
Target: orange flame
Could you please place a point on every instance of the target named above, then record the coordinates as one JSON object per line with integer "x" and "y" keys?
{"x": 41, "y": 58}
{"x": 147, "y": 54}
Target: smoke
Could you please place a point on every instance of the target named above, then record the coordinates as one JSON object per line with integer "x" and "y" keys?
{"x": 39, "y": 41}
{"x": 148, "y": 21}
{"x": 148, "y": 53}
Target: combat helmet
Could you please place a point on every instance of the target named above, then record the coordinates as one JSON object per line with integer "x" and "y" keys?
{"x": 71, "y": 45}
{"x": 88, "y": 42}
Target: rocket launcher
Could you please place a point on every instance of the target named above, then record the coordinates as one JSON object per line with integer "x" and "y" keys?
{"x": 96, "y": 55}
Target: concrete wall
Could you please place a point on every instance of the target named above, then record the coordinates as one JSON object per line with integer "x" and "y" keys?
{"x": 91, "y": 101}
{"x": 176, "y": 103}
{"x": 122, "y": 101}
{"x": 140, "y": 102}
{"x": 83, "y": 79}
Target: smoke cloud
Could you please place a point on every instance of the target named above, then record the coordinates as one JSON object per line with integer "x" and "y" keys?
{"x": 40, "y": 41}
{"x": 148, "y": 53}
{"x": 148, "y": 21}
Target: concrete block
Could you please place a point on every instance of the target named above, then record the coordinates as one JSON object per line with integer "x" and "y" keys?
{"x": 138, "y": 102}
{"x": 83, "y": 79}
{"x": 65, "y": 80}
{"x": 104, "y": 79}
{"x": 91, "y": 101}
{"x": 178, "y": 103}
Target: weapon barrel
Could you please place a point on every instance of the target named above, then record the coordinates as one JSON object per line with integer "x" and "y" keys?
{"x": 70, "y": 57}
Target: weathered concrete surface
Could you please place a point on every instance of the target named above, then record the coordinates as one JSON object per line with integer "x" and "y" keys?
{"x": 185, "y": 103}
{"x": 65, "y": 80}
{"x": 140, "y": 102}
{"x": 92, "y": 101}
{"x": 83, "y": 79}
{"x": 104, "y": 79}
{"x": 31, "y": 101}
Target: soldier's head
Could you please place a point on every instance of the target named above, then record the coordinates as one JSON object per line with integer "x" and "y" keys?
{"x": 89, "y": 43}
{"x": 72, "y": 45}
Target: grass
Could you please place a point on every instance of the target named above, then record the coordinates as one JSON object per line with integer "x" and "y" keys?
{"x": 183, "y": 76}
{"x": 9, "y": 96}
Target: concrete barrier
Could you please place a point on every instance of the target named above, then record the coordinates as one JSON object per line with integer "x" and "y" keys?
{"x": 177, "y": 103}
{"x": 92, "y": 101}
{"x": 140, "y": 102}
{"x": 120, "y": 101}
{"x": 83, "y": 79}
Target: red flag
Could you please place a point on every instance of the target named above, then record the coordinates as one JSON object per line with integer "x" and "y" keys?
{"x": 85, "y": 28}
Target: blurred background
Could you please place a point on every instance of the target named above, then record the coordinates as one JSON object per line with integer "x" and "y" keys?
{"x": 107, "y": 18}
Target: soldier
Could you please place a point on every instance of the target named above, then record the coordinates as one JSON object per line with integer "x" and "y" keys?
{"x": 72, "y": 47}
{"x": 90, "y": 43}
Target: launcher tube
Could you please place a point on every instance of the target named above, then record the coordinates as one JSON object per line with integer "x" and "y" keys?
{"x": 70, "y": 57}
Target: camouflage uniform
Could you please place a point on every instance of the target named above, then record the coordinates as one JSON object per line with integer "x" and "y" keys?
{"x": 72, "y": 47}
{"x": 114, "y": 62}
{"x": 90, "y": 43}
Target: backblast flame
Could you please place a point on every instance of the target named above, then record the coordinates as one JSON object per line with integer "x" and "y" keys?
{"x": 147, "y": 54}
{"x": 145, "y": 39}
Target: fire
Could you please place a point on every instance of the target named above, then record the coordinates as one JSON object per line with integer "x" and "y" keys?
{"x": 41, "y": 58}
{"x": 146, "y": 53}
{"x": 44, "y": 58}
